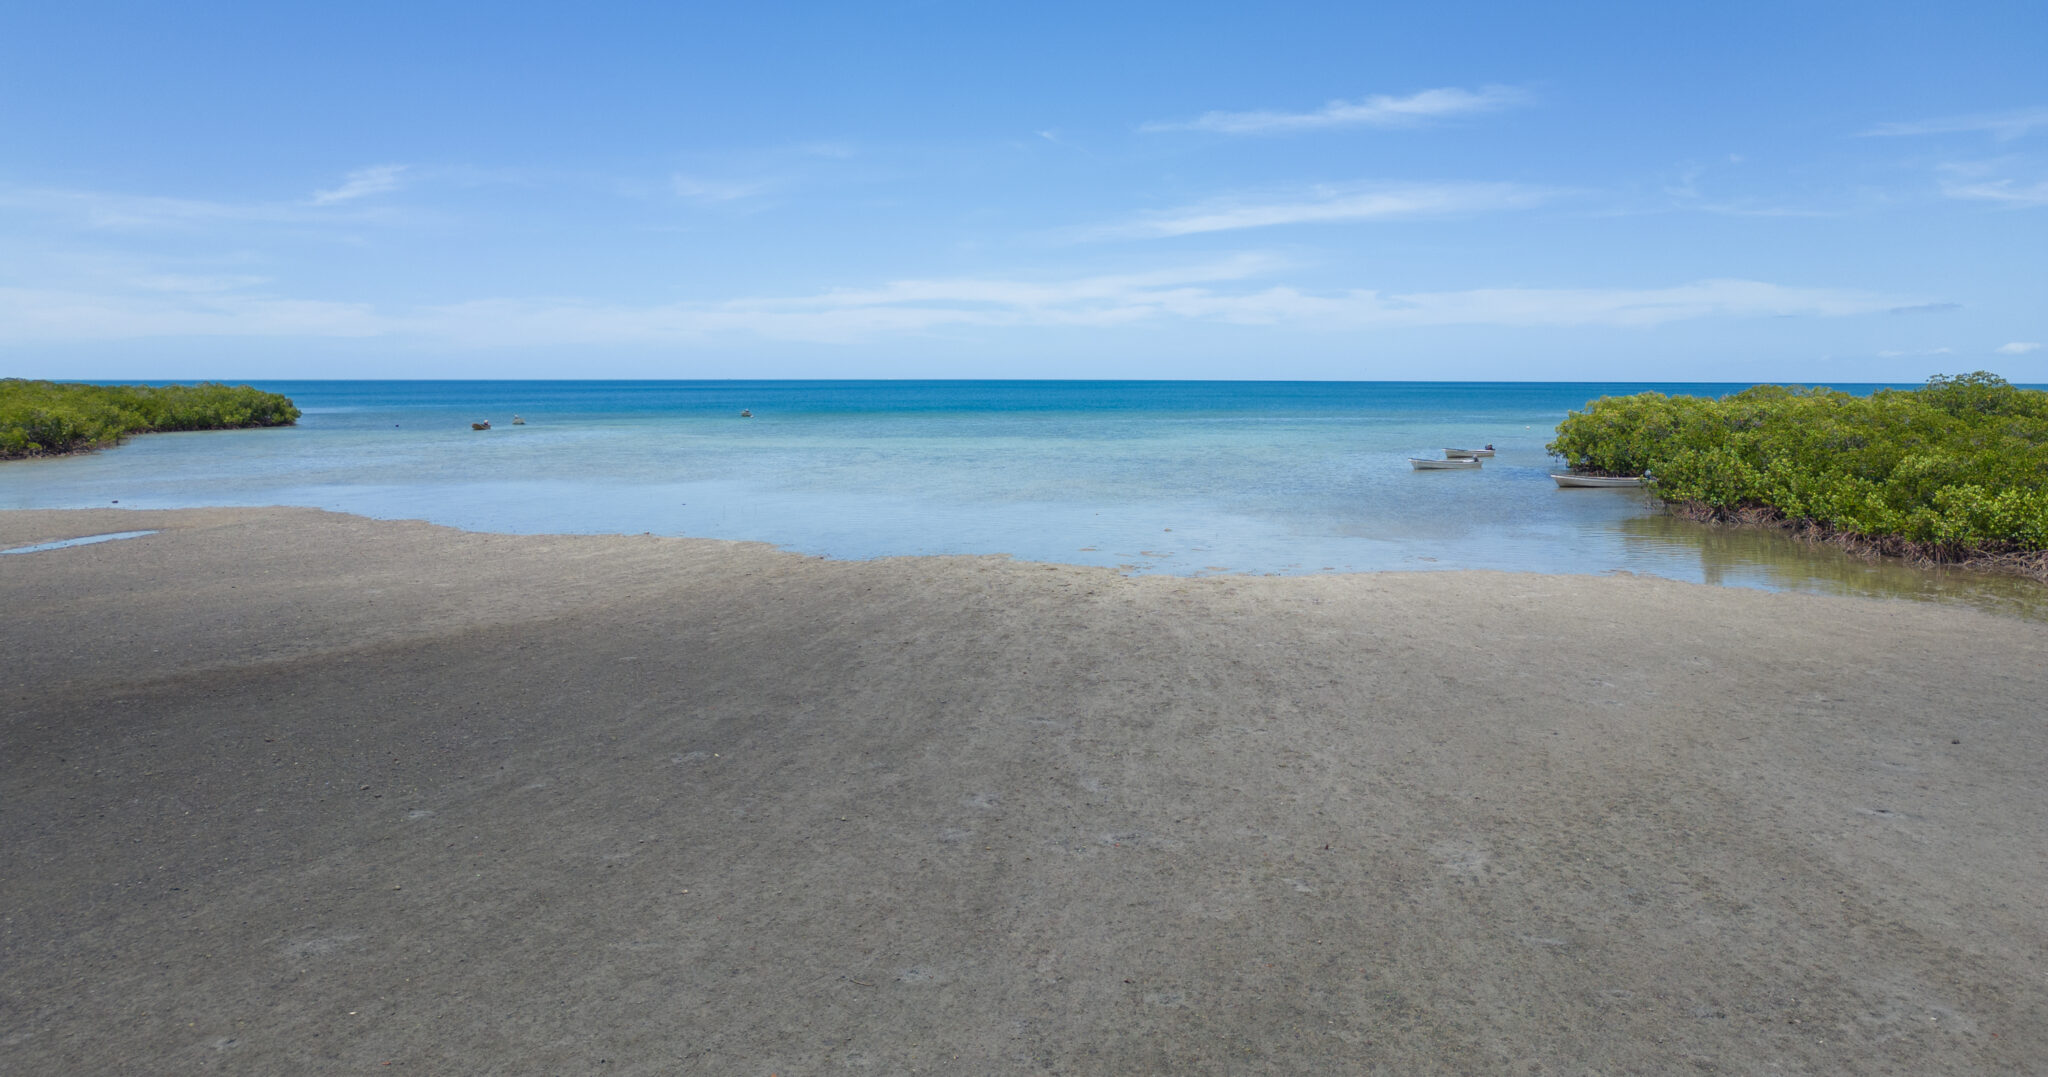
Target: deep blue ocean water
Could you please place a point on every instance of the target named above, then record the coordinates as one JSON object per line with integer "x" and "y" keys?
{"x": 1189, "y": 478}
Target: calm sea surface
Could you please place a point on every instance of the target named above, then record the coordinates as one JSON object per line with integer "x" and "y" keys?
{"x": 1189, "y": 478}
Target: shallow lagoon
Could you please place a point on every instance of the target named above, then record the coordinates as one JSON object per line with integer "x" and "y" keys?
{"x": 1155, "y": 477}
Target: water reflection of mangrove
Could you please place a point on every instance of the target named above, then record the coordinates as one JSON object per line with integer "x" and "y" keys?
{"x": 1759, "y": 557}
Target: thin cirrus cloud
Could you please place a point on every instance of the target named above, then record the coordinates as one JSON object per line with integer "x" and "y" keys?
{"x": 1328, "y": 205}
{"x": 763, "y": 172}
{"x": 1217, "y": 292}
{"x": 48, "y": 314}
{"x": 2008, "y": 192}
{"x": 2004, "y": 126}
{"x": 1380, "y": 110}
{"x": 1985, "y": 181}
{"x": 1926, "y": 308}
{"x": 2019, "y": 347}
{"x": 118, "y": 212}
{"x": 1031, "y": 295}
{"x": 362, "y": 183}
{"x": 101, "y": 210}
{"x": 1167, "y": 296}
{"x": 1980, "y": 181}
{"x": 697, "y": 189}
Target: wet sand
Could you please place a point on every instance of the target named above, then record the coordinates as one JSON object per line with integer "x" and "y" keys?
{"x": 291, "y": 792}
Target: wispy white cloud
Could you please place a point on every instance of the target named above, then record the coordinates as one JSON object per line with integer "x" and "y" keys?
{"x": 2019, "y": 194}
{"x": 2018, "y": 347}
{"x": 196, "y": 283}
{"x": 2003, "y": 126}
{"x": 1377, "y": 111}
{"x": 1921, "y": 354}
{"x": 105, "y": 210}
{"x": 47, "y": 314}
{"x": 1926, "y": 308}
{"x": 1188, "y": 295}
{"x": 1686, "y": 192}
{"x": 1329, "y": 205}
{"x": 1747, "y": 209}
{"x": 716, "y": 177}
{"x": 1030, "y": 295}
{"x": 1619, "y": 307}
{"x": 117, "y": 212}
{"x": 1219, "y": 292}
{"x": 362, "y": 183}
{"x": 829, "y": 149}
{"x": 697, "y": 189}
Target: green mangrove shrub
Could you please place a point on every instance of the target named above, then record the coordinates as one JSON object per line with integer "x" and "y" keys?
{"x": 43, "y": 417}
{"x": 1958, "y": 468}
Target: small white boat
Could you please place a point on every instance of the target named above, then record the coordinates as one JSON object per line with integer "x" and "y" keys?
{"x": 1467, "y": 454}
{"x": 1590, "y": 481}
{"x": 1440, "y": 465}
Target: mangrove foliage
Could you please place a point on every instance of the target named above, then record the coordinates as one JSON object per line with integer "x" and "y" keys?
{"x": 1956, "y": 470}
{"x": 43, "y": 417}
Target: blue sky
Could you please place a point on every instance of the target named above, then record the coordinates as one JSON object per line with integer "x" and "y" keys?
{"x": 1812, "y": 192}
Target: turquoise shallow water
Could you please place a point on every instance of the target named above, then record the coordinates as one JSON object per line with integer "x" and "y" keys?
{"x": 1188, "y": 478}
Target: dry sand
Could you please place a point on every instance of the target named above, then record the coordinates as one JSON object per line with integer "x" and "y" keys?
{"x": 288, "y": 792}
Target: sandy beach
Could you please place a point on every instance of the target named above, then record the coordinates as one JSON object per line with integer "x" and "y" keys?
{"x": 290, "y": 792}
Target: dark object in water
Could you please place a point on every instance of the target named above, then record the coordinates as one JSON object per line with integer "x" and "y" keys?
{"x": 485, "y": 425}
{"x": 517, "y": 421}
{"x": 746, "y": 413}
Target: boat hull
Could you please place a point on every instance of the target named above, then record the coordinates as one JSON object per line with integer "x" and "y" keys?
{"x": 1597, "y": 482}
{"x": 1466, "y": 454}
{"x": 1420, "y": 464}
